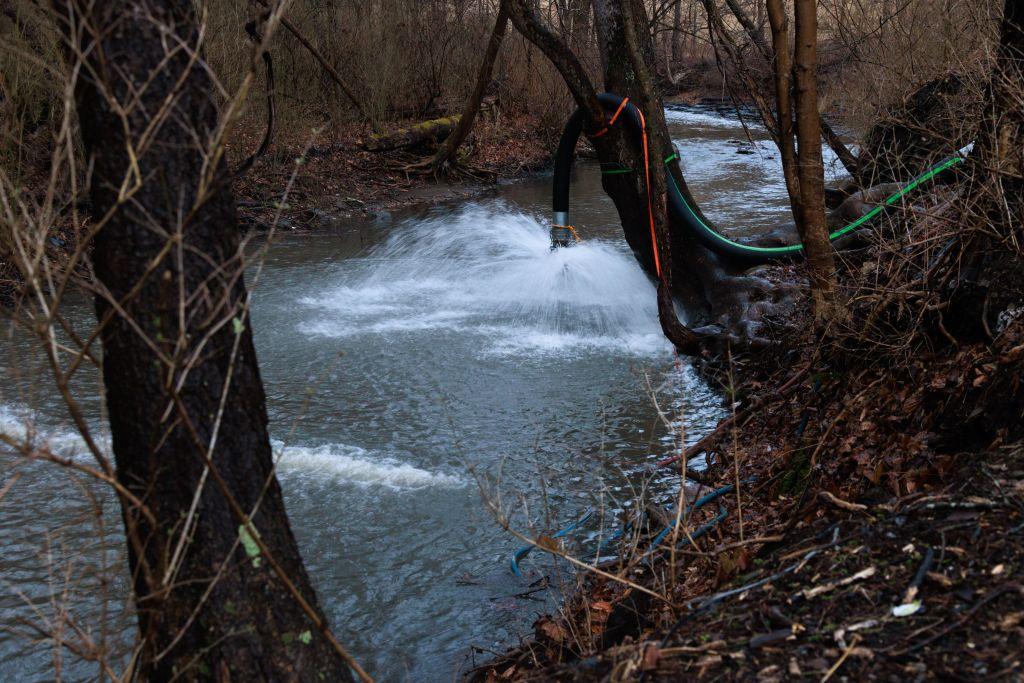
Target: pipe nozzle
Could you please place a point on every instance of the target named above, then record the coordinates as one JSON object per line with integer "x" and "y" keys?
{"x": 562, "y": 236}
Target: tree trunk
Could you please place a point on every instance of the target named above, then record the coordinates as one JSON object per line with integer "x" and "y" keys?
{"x": 627, "y": 56}
{"x": 420, "y": 133}
{"x": 331, "y": 71}
{"x": 771, "y": 55}
{"x": 752, "y": 29}
{"x": 469, "y": 112}
{"x": 782, "y": 68}
{"x": 220, "y": 587}
{"x": 677, "y": 34}
{"x": 811, "y": 224}
{"x": 1002, "y": 128}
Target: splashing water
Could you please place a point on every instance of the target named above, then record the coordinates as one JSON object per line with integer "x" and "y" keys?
{"x": 488, "y": 271}
{"x": 338, "y": 462}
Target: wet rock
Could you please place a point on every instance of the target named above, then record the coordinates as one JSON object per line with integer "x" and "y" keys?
{"x": 318, "y": 219}
{"x": 781, "y": 236}
{"x": 860, "y": 203}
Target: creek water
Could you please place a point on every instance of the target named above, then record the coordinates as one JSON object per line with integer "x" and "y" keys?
{"x": 403, "y": 359}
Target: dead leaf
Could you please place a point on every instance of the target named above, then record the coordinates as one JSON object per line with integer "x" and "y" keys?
{"x": 1011, "y": 620}
{"x": 547, "y": 543}
{"x": 551, "y": 630}
{"x": 652, "y": 656}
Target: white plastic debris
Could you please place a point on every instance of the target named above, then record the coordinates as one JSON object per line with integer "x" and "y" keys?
{"x": 907, "y": 609}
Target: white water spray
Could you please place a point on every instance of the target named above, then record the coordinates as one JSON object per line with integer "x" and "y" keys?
{"x": 489, "y": 272}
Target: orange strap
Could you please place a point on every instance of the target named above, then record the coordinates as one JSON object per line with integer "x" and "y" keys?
{"x": 612, "y": 120}
{"x": 650, "y": 202}
{"x": 570, "y": 228}
{"x": 647, "y": 175}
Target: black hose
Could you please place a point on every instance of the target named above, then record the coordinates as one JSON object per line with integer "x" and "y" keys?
{"x": 683, "y": 210}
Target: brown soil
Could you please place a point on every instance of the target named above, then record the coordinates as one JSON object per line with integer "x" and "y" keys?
{"x": 337, "y": 180}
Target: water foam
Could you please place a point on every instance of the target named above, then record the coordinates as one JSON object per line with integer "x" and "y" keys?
{"x": 488, "y": 271}
{"x": 705, "y": 118}
{"x": 339, "y": 462}
{"x": 25, "y": 426}
{"x": 354, "y": 465}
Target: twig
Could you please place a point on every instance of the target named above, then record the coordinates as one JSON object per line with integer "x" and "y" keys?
{"x": 809, "y": 593}
{"x": 7, "y": 487}
{"x": 331, "y": 71}
{"x": 842, "y": 658}
{"x": 709, "y": 440}
{"x": 703, "y": 604}
{"x": 840, "y": 503}
{"x": 922, "y": 572}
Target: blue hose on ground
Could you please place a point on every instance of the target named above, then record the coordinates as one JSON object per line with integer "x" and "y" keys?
{"x": 722, "y": 514}
{"x": 700, "y": 502}
{"x": 521, "y": 553}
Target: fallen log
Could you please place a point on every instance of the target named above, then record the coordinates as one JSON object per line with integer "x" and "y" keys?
{"x": 432, "y": 131}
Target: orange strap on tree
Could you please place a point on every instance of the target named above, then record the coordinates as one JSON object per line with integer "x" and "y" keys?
{"x": 647, "y": 183}
{"x": 612, "y": 120}
{"x": 647, "y": 174}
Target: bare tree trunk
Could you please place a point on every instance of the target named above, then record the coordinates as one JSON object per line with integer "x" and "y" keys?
{"x": 627, "y": 56}
{"x": 706, "y": 282}
{"x": 677, "y": 34}
{"x": 988, "y": 281}
{"x": 999, "y": 142}
{"x": 812, "y": 227}
{"x": 472, "y": 108}
{"x": 331, "y": 71}
{"x": 783, "y": 73}
{"x": 752, "y": 30}
{"x": 220, "y": 587}
{"x": 770, "y": 54}
{"x": 523, "y": 16}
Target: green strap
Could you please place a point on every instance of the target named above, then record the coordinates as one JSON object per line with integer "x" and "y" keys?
{"x": 624, "y": 169}
{"x": 619, "y": 169}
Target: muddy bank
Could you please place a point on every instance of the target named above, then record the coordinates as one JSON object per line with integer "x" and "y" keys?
{"x": 322, "y": 182}
{"x": 870, "y": 511}
{"x": 876, "y": 541}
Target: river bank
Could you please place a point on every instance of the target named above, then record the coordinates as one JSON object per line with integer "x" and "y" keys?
{"x": 322, "y": 180}
{"x": 869, "y": 526}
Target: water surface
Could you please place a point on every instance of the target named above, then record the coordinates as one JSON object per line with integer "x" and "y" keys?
{"x": 401, "y": 361}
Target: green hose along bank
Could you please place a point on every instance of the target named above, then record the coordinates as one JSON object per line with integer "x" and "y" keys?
{"x": 683, "y": 210}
